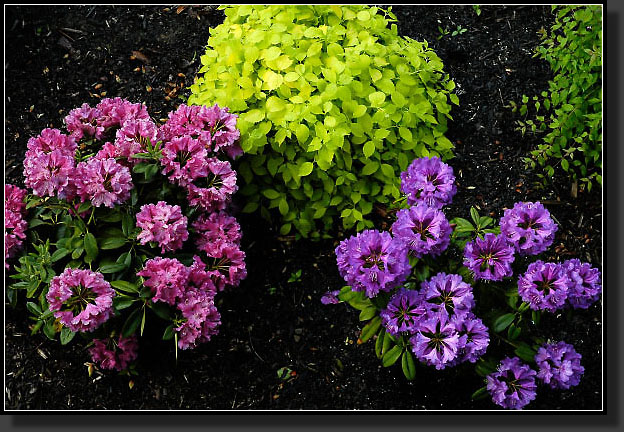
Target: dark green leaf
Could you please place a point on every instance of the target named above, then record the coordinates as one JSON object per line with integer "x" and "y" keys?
{"x": 90, "y": 245}
{"x": 368, "y": 313}
{"x": 407, "y": 363}
{"x": 132, "y": 323}
{"x": 125, "y": 286}
{"x": 112, "y": 268}
{"x": 66, "y": 335}
{"x": 391, "y": 356}
{"x": 112, "y": 243}
{"x": 481, "y": 393}
{"x": 161, "y": 309}
{"x": 370, "y": 329}
{"x": 168, "y": 334}
{"x": 503, "y": 321}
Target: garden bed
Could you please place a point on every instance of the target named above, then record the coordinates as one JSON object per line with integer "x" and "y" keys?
{"x": 59, "y": 57}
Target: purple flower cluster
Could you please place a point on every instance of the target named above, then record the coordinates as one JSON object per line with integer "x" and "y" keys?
{"x": 585, "y": 283}
{"x": 111, "y": 353}
{"x": 14, "y": 223}
{"x": 489, "y": 258}
{"x": 559, "y": 365}
{"x": 438, "y": 319}
{"x": 428, "y": 180}
{"x": 423, "y": 229}
{"x": 191, "y": 290}
{"x": 103, "y": 181}
{"x": 163, "y": 224}
{"x": 81, "y": 299}
{"x": 373, "y": 261}
{"x": 528, "y": 227}
{"x": 513, "y": 384}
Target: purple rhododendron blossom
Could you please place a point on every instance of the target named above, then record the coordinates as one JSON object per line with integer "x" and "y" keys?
{"x": 544, "y": 286}
{"x": 227, "y": 266}
{"x": 103, "y": 181}
{"x": 428, "y": 180}
{"x": 447, "y": 294}
{"x": 215, "y": 231}
{"x": 81, "y": 299}
{"x": 14, "y": 199}
{"x": 184, "y": 159}
{"x": 116, "y": 111}
{"x": 190, "y": 121}
{"x": 330, "y": 297}
{"x": 50, "y": 174}
{"x": 199, "y": 278}
{"x": 473, "y": 337}
{"x": 50, "y": 140}
{"x": 559, "y": 365}
{"x": 528, "y": 227}
{"x": 424, "y": 229}
{"x": 214, "y": 188}
{"x": 111, "y": 353}
{"x": 436, "y": 343}
{"x": 585, "y": 283}
{"x": 375, "y": 262}
{"x": 83, "y": 120}
{"x": 223, "y": 131}
{"x": 133, "y": 137}
{"x": 164, "y": 224}
{"x": 489, "y": 258}
{"x": 167, "y": 278}
{"x": 201, "y": 318}
{"x": 403, "y": 312}
{"x": 513, "y": 384}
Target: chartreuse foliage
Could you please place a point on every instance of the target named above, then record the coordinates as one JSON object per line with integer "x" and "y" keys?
{"x": 333, "y": 105}
{"x": 569, "y": 114}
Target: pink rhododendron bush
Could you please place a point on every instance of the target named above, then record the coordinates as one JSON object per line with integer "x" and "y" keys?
{"x": 124, "y": 225}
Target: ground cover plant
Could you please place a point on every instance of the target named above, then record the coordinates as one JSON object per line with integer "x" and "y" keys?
{"x": 426, "y": 306}
{"x": 333, "y": 104}
{"x": 124, "y": 223}
{"x": 278, "y": 346}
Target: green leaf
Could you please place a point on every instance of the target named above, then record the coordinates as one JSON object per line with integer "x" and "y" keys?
{"x": 271, "y": 193}
{"x": 370, "y": 329}
{"x": 391, "y": 356}
{"x": 125, "y": 286}
{"x": 379, "y": 343}
{"x": 132, "y": 323}
{"x": 481, "y": 393}
{"x": 112, "y": 243}
{"x": 369, "y": 149}
{"x": 112, "y": 268}
{"x": 474, "y": 215}
{"x": 66, "y": 335}
{"x": 377, "y": 98}
{"x": 168, "y": 333}
{"x": 161, "y": 310}
{"x": 59, "y": 254}
{"x": 306, "y": 168}
{"x": 503, "y": 321}
{"x": 407, "y": 363}
{"x": 90, "y": 246}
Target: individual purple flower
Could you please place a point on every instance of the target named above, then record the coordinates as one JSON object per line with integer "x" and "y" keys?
{"x": 164, "y": 224}
{"x": 513, "y": 384}
{"x": 448, "y": 294}
{"x": 424, "y": 229}
{"x": 166, "y": 277}
{"x": 489, "y": 258}
{"x": 14, "y": 199}
{"x": 585, "y": 283}
{"x": 183, "y": 160}
{"x": 403, "y": 312}
{"x": 116, "y": 111}
{"x": 50, "y": 140}
{"x": 330, "y": 297}
{"x": 14, "y": 234}
{"x": 50, "y": 174}
{"x": 103, "y": 181}
{"x": 559, "y": 365}
{"x": 544, "y": 286}
{"x": 134, "y": 136}
{"x": 428, "y": 180}
{"x": 473, "y": 337}
{"x": 83, "y": 120}
{"x": 227, "y": 266}
{"x": 213, "y": 189}
{"x": 376, "y": 262}
{"x": 343, "y": 254}
{"x": 528, "y": 227}
{"x": 197, "y": 307}
{"x": 216, "y": 230}
{"x": 436, "y": 341}
{"x": 81, "y": 299}
{"x": 114, "y": 353}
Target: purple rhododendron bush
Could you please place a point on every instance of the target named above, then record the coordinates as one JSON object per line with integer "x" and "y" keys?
{"x": 436, "y": 292}
{"x": 124, "y": 224}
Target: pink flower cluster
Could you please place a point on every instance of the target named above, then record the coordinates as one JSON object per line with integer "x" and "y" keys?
{"x": 191, "y": 290}
{"x": 103, "y": 181}
{"x": 81, "y": 299}
{"x": 111, "y": 353}
{"x": 14, "y": 223}
{"x": 163, "y": 224}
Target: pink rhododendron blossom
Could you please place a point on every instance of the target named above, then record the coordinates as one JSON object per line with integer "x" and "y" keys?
{"x": 215, "y": 231}
{"x": 83, "y": 121}
{"x": 14, "y": 234}
{"x": 81, "y": 299}
{"x": 50, "y": 140}
{"x": 167, "y": 278}
{"x": 214, "y": 190}
{"x": 223, "y": 130}
{"x": 189, "y": 121}
{"x": 183, "y": 159}
{"x": 115, "y": 112}
{"x": 14, "y": 199}
{"x": 200, "y": 279}
{"x": 227, "y": 267}
{"x": 50, "y": 174}
{"x": 201, "y": 318}
{"x": 133, "y": 137}
{"x": 164, "y": 224}
{"x": 103, "y": 181}
{"x": 112, "y": 353}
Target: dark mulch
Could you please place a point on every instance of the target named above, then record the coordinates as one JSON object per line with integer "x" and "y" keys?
{"x": 60, "y": 57}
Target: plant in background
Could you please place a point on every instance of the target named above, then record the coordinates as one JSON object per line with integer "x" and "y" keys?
{"x": 477, "y": 9}
{"x": 445, "y": 311}
{"x": 127, "y": 225}
{"x": 569, "y": 114}
{"x": 333, "y": 104}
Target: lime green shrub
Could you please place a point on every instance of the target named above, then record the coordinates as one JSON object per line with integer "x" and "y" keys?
{"x": 569, "y": 114}
{"x": 332, "y": 105}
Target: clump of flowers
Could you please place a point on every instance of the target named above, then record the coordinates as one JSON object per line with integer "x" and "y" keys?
{"x": 458, "y": 291}
{"x": 130, "y": 224}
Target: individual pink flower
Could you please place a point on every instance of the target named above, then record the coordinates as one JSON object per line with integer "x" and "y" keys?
{"x": 183, "y": 159}
{"x": 112, "y": 353}
{"x": 167, "y": 278}
{"x": 215, "y": 231}
{"x": 81, "y": 299}
{"x": 164, "y": 224}
{"x": 50, "y": 174}
{"x": 103, "y": 181}
{"x": 83, "y": 120}
{"x": 50, "y": 140}
{"x": 133, "y": 137}
{"x": 214, "y": 189}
